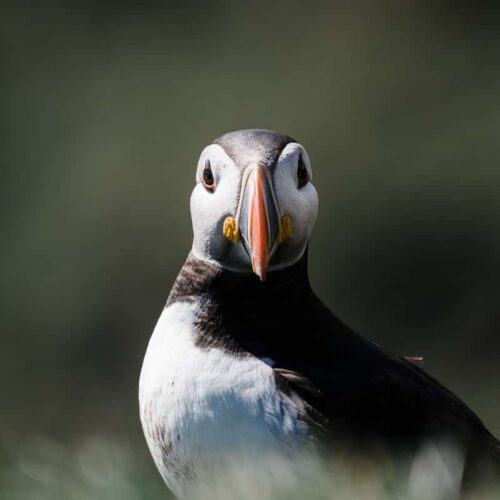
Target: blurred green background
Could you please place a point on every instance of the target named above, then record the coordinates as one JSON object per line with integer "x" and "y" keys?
{"x": 104, "y": 109}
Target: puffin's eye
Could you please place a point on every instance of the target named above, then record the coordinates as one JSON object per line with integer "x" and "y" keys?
{"x": 302, "y": 174}
{"x": 208, "y": 177}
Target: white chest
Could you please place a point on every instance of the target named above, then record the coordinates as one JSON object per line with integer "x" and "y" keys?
{"x": 199, "y": 404}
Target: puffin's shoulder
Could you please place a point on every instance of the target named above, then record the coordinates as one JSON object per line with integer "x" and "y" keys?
{"x": 366, "y": 391}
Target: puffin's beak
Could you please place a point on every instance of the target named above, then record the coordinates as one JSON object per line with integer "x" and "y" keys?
{"x": 259, "y": 220}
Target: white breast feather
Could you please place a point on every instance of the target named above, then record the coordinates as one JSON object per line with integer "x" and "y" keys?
{"x": 200, "y": 404}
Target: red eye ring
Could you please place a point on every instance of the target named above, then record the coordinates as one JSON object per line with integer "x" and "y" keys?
{"x": 207, "y": 177}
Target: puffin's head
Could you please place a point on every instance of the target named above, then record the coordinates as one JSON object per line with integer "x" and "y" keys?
{"x": 254, "y": 206}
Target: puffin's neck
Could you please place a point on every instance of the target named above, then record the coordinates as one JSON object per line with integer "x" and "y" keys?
{"x": 202, "y": 280}
{"x": 238, "y": 312}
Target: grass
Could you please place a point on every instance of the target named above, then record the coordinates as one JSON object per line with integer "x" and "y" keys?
{"x": 109, "y": 468}
{"x": 95, "y": 468}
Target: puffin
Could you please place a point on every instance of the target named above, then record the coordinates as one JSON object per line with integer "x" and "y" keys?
{"x": 246, "y": 361}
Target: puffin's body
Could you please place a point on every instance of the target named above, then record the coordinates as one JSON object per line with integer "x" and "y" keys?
{"x": 243, "y": 367}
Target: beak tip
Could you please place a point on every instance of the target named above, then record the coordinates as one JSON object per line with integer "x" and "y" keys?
{"x": 260, "y": 271}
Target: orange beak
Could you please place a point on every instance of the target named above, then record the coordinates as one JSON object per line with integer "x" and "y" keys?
{"x": 259, "y": 219}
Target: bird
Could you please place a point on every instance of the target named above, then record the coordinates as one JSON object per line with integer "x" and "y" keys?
{"x": 245, "y": 358}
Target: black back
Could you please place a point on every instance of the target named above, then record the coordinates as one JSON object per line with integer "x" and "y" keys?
{"x": 347, "y": 386}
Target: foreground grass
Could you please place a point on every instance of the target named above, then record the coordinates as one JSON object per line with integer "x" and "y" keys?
{"x": 105, "y": 468}
{"x": 97, "y": 468}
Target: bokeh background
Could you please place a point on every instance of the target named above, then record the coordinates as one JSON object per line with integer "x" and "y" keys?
{"x": 104, "y": 109}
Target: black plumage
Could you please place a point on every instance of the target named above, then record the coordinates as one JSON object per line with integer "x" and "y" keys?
{"x": 356, "y": 396}
{"x": 348, "y": 387}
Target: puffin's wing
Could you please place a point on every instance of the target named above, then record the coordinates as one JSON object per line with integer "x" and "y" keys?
{"x": 370, "y": 395}
{"x": 357, "y": 386}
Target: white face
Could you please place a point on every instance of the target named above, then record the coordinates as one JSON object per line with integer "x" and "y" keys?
{"x": 258, "y": 197}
